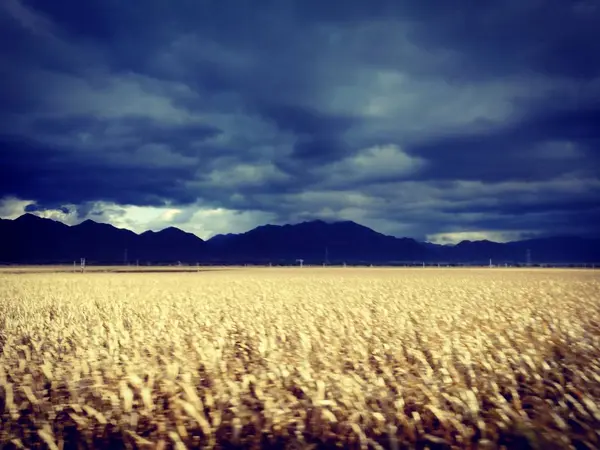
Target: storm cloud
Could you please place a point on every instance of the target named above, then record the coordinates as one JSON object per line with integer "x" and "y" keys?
{"x": 425, "y": 119}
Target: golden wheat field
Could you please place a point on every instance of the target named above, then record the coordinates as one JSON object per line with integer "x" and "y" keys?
{"x": 301, "y": 358}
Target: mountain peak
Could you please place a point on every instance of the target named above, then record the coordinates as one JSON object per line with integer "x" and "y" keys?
{"x": 87, "y": 223}
{"x": 172, "y": 230}
{"x": 29, "y": 217}
{"x": 175, "y": 233}
{"x": 479, "y": 242}
{"x": 327, "y": 223}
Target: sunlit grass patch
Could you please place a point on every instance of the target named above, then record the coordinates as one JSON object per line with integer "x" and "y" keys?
{"x": 370, "y": 358}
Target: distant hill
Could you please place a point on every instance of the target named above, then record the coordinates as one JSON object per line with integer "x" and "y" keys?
{"x": 34, "y": 240}
{"x": 558, "y": 250}
{"x": 31, "y": 239}
{"x": 170, "y": 244}
{"x": 315, "y": 242}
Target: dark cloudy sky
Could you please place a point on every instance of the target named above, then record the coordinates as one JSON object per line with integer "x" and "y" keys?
{"x": 432, "y": 119}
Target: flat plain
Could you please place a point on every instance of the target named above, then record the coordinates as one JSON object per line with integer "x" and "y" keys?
{"x": 301, "y": 358}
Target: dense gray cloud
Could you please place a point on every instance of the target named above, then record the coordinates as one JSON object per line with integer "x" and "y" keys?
{"x": 416, "y": 118}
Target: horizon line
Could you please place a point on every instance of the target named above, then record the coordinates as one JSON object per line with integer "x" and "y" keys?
{"x": 326, "y": 221}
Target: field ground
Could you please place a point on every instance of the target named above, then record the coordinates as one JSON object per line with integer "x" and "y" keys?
{"x": 20, "y": 269}
{"x": 301, "y": 358}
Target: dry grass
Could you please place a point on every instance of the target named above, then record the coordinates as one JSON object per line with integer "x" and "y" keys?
{"x": 311, "y": 358}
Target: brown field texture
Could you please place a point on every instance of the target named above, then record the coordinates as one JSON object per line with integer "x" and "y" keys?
{"x": 301, "y": 358}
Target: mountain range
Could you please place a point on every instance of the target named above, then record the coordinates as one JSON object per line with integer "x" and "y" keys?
{"x": 30, "y": 239}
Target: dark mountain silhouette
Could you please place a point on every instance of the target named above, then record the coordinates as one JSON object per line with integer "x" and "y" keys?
{"x": 170, "y": 244}
{"x": 476, "y": 250}
{"x": 558, "y": 250}
{"x": 34, "y": 240}
{"x": 102, "y": 242}
{"x": 31, "y": 239}
{"x": 315, "y": 242}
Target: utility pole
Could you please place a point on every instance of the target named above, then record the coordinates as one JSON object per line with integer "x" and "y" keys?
{"x": 528, "y": 257}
